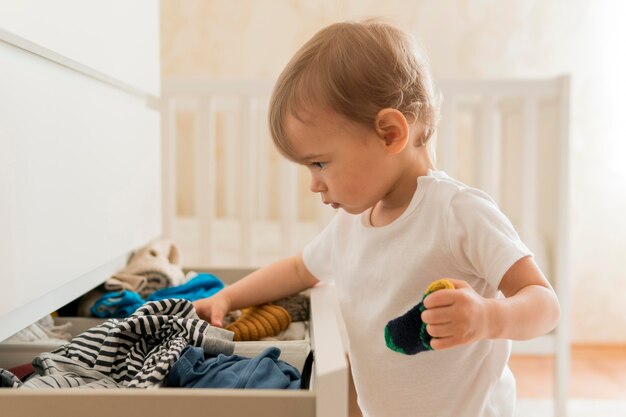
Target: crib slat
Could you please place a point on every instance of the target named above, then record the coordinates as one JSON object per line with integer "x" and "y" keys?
{"x": 288, "y": 206}
{"x": 530, "y": 166}
{"x": 562, "y": 268}
{"x": 490, "y": 147}
{"x": 247, "y": 107}
{"x": 446, "y": 152}
{"x": 231, "y": 163}
{"x": 206, "y": 173}
{"x": 263, "y": 159}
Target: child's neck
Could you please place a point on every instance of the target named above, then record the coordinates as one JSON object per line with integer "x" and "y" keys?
{"x": 401, "y": 193}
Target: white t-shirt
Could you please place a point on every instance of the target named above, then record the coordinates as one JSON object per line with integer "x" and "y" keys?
{"x": 448, "y": 230}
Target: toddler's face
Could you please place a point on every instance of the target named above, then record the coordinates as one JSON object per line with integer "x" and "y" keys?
{"x": 346, "y": 160}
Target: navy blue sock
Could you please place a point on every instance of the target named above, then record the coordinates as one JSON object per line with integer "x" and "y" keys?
{"x": 407, "y": 334}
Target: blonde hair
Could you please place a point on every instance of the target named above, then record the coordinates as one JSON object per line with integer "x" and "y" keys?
{"x": 355, "y": 69}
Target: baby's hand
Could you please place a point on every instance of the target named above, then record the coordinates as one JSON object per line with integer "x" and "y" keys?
{"x": 213, "y": 309}
{"x": 456, "y": 317}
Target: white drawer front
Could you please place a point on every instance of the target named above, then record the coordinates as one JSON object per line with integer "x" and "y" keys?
{"x": 116, "y": 37}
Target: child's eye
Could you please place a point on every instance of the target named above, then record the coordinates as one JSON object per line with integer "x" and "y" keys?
{"x": 318, "y": 165}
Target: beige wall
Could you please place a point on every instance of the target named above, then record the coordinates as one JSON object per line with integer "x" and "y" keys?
{"x": 466, "y": 39}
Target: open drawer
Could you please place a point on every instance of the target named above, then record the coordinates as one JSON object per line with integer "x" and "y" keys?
{"x": 327, "y": 396}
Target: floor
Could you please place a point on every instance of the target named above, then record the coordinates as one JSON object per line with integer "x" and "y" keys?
{"x": 597, "y": 372}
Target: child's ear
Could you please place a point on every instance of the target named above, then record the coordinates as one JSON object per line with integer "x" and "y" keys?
{"x": 393, "y": 129}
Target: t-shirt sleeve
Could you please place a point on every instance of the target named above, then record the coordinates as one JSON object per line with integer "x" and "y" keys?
{"x": 482, "y": 239}
{"x": 317, "y": 254}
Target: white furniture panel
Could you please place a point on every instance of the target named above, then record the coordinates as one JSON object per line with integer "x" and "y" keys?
{"x": 116, "y": 37}
{"x": 80, "y": 182}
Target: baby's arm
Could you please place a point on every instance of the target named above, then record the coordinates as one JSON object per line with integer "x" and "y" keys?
{"x": 280, "y": 279}
{"x": 460, "y": 316}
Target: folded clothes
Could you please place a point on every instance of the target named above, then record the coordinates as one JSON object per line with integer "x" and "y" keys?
{"x": 117, "y": 304}
{"x": 201, "y": 286}
{"x": 194, "y": 370}
{"x": 123, "y": 303}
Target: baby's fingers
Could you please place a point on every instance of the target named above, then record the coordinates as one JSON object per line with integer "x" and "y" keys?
{"x": 217, "y": 319}
{"x": 445, "y": 343}
{"x": 203, "y": 309}
{"x": 440, "y": 330}
{"x": 441, "y": 298}
{"x": 439, "y": 315}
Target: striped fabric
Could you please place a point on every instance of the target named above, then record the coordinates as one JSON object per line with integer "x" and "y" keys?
{"x": 57, "y": 371}
{"x": 8, "y": 380}
{"x": 135, "y": 352}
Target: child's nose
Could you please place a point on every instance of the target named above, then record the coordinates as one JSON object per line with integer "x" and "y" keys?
{"x": 317, "y": 185}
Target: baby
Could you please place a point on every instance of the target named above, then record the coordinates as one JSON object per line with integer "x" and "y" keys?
{"x": 357, "y": 107}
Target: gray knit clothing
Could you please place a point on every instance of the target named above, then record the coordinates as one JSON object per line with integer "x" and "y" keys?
{"x": 297, "y": 306}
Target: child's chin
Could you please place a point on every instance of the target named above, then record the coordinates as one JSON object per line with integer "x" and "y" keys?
{"x": 353, "y": 210}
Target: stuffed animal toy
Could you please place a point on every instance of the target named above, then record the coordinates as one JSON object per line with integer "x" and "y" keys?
{"x": 153, "y": 267}
{"x": 407, "y": 334}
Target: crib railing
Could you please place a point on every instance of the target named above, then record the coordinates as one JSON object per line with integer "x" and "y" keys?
{"x": 230, "y": 132}
{"x": 243, "y": 205}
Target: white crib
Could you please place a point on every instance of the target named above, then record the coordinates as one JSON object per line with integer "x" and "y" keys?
{"x": 231, "y": 200}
